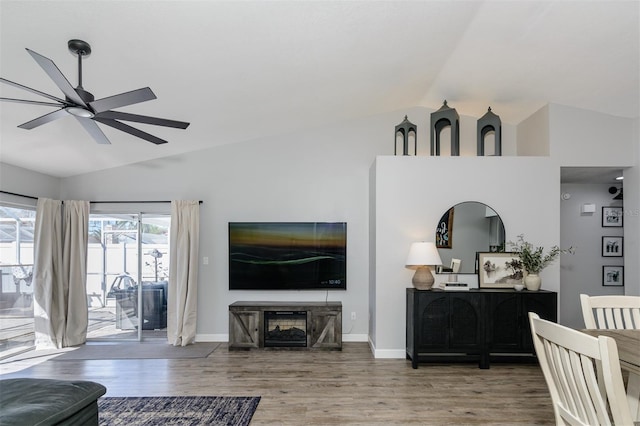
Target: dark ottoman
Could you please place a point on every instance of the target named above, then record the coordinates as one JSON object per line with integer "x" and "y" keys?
{"x": 49, "y": 402}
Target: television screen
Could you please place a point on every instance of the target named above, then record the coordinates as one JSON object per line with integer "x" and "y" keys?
{"x": 287, "y": 255}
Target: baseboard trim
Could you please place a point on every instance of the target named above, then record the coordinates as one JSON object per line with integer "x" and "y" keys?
{"x": 225, "y": 338}
{"x": 387, "y": 353}
{"x": 212, "y": 338}
{"x": 355, "y": 337}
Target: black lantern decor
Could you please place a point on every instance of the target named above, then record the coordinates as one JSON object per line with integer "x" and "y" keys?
{"x": 490, "y": 122}
{"x": 440, "y": 119}
{"x": 405, "y": 128}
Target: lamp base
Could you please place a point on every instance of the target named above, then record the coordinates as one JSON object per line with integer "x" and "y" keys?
{"x": 423, "y": 278}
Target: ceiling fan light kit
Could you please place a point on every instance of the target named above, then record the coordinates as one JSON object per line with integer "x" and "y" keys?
{"x": 79, "y": 112}
{"x": 84, "y": 107}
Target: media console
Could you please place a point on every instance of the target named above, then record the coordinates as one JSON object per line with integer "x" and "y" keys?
{"x": 285, "y": 325}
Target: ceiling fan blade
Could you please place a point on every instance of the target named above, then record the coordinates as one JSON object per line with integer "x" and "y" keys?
{"x": 92, "y": 128}
{"x": 25, "y": 101}
{"x": 44, "y": 119}
{"x": 123, "y": 99}
{"x": 131, "y": 130}
{"x": 58, "y": 78}
{"x": 29, "y": 89}
{"x": 117, "y": 115}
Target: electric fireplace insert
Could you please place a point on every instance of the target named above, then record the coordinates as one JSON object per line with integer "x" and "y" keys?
{"x": 285, "y": 329}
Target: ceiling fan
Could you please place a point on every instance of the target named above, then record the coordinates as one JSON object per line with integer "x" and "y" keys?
{"x": 84, "y": 107}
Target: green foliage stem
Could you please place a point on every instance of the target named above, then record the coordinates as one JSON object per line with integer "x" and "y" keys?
{"x": 534, "y": 259}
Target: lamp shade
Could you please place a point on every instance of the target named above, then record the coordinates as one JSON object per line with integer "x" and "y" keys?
{"x": 423, "y": 253}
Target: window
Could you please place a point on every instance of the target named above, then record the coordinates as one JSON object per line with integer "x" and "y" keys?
{"x": 16, "y": 274}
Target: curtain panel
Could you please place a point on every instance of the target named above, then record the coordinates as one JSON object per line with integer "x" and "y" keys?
{"x": 60, "y": 259}
{"x": 47, "y": 275}
{"x": 183, "y": 272}
{"x": 74, "y": 271}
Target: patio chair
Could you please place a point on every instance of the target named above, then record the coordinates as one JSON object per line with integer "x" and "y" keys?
{"x": 569, "y": 359}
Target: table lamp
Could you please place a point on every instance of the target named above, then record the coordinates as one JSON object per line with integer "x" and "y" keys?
{"x": 421, "y": 256}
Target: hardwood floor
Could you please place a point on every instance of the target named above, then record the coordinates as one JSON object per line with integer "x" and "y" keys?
{"x": 327, "y": 388}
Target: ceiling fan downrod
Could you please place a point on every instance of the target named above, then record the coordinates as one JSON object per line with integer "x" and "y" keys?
{"x": 79, "y": 48}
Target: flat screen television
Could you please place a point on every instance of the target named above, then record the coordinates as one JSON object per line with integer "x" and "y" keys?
{"x": 287, "y": 255}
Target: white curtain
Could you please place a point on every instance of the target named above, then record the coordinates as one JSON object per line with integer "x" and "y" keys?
{"x": 47, "y": 275}
{"x": 60, "y": 258}
{"x": 183, "y": 272}
{"x": 74, "y": 271}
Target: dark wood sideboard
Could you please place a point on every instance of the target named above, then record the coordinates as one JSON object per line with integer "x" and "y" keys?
{"x": 323, "y": 325}
{"x": 474, "y": 325}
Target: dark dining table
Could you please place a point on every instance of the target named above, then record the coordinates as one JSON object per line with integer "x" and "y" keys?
{"x": 628, "y": 342}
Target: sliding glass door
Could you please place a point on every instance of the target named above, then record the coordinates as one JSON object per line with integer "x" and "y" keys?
{"x": 124, "y": 250}
{"x": 127, "y": 276}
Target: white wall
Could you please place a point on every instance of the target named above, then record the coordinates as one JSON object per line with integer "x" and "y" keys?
{"x": 26, "y": 182}
{"x": 533, "y": 134}
{"x": 372, "y": 258}
{"x": 412, "y": 193}
{"x": 582, "y": 272}
{"x": 582, "y": 138}
{"x": 632, "y": 218}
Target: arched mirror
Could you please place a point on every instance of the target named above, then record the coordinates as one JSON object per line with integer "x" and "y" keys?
{"x": 465, "y": 229}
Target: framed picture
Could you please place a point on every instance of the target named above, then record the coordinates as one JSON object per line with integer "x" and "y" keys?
{"x": 498, "y": 270}
{"x": 612, "y": 247}
{"x": 612, "y": 217}
{"x": 613, "y": 275}
{"x": 444, "y": 231}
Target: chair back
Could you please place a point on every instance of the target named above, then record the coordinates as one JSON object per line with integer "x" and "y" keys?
{"x": 569, "y": 360}
{"x": 611, "y": 312}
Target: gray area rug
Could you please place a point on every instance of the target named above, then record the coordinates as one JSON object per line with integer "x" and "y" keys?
{"x": 137, "y": 351}
{"x": 177, "y": 410}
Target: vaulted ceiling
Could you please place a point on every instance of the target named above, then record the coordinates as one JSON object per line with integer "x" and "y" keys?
{"x": 239, "y": 70}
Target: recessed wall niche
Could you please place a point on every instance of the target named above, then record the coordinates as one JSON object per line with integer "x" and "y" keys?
{"x": 440, "y": 119}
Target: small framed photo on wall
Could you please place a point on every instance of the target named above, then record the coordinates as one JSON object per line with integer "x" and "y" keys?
{"x": 613, "y": 276}
{"x": 612, "y": 217}
{"x": 612, "y": 246}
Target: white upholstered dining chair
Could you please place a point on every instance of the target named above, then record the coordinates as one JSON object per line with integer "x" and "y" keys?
{"x": 611, "y": 312}
{"x": 569, "y": 360}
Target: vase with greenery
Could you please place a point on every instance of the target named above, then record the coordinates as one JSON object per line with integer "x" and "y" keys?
{"x": 535, "y": 259}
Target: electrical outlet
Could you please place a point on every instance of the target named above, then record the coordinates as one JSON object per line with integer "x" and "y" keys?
{"x": 205, "y": 260}
{"x": 353, "y": 316}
